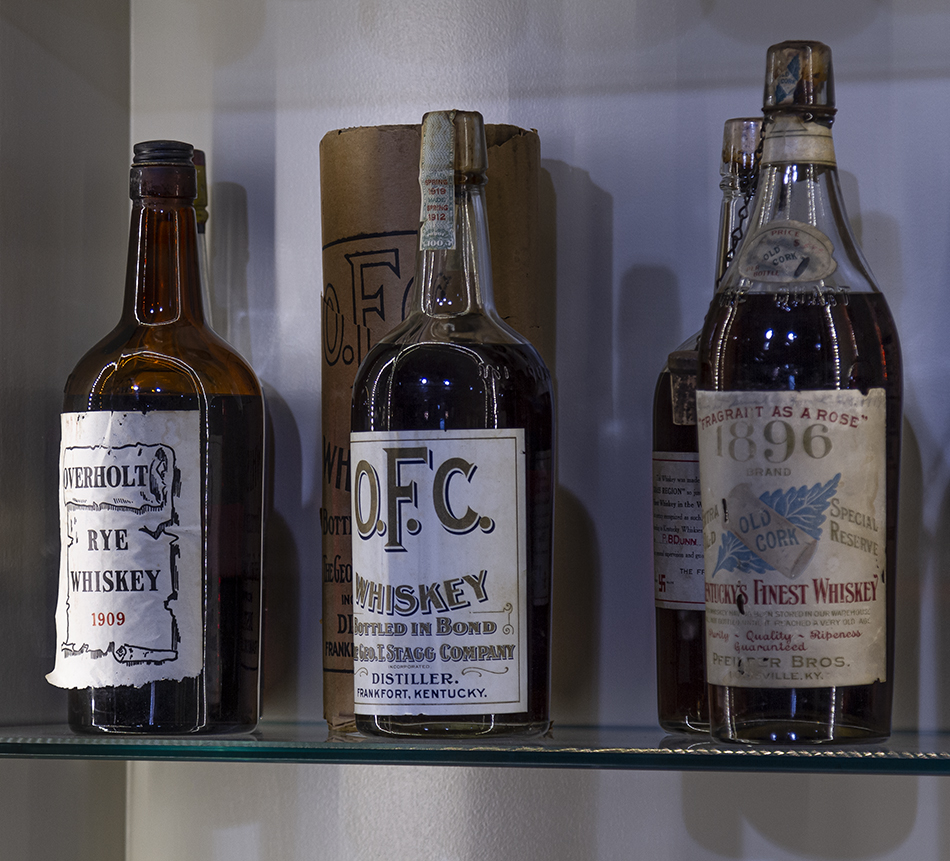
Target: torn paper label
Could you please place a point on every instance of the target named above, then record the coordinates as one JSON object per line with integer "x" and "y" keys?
{"x": 129, "y": 604}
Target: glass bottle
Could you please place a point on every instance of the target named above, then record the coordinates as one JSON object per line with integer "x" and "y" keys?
{"x": 161, "y": 491}
{"x": 799, "y": 418}
{"x": 453, "y": 486}
{"x": 677, "y": 529}
{"x": 201, "y": 217}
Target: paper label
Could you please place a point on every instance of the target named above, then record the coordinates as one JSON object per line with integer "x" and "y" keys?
{"x": 130, "y": 591}
{"x": 440, "y": 572}
{"x": 790, "y": 140}
{"x": 437, "y": 181}
{"x": 679, "y": 582}
{"x": 793, "y": 494}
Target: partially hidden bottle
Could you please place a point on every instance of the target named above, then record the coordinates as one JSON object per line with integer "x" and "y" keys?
{"x": 799, "y": 418}
{"x": 161, "y": 494}
{"x": 201, "y": 217}
{"x": 679, "y": 584}
{"x": 452, "y": 453}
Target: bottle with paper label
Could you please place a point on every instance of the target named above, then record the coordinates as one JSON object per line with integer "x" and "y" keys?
{"x": 798, "y": 409}
{"x": 161, "y": 494}
{"x": 452, "y": 496}
{"x": 679, "y": 584}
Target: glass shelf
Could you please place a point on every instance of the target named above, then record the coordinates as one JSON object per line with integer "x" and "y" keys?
{"x": 566, "y": 747}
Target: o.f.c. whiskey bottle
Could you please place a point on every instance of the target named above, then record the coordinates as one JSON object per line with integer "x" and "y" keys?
{"x": 452, "y": 451}
{"x": 798, "y": 413}
{"x": 677, "y": 523}
{"x": 161, "y": 494}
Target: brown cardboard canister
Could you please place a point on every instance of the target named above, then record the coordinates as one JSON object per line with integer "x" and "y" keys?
{"x": 370, "y": 203}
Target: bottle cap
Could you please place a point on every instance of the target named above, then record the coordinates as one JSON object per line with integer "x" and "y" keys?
{"x": 163, "y": 152}
{"x": 468, "y": 130}
{"x": 453, "y": 151}
{"x": 163, "y": 169}
{"x": 799, "y": 77}
{"x": 740, "y": 140}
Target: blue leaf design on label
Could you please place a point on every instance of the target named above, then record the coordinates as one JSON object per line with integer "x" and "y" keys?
{"x": 734, "y": 555}
{"x": 765, "y": 537}
{"x": 804, "y": 506}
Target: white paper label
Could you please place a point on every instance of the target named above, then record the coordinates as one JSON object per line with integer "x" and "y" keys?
{"x": 437, "y": 181}
{"x": 130, "y": 591}
{"x": 790, "y": 140}
{"x": 793, "y": 492}
{"x": 678, "y": 578}
{"x": 440, "y": 571}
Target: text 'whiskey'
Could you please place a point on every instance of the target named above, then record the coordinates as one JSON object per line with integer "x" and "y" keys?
{"x": 798, "y": 411}
{"x": 161, "y": 494}
{"x": 452, "y": 495}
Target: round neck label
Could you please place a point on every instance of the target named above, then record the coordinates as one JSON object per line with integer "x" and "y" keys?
{"x": 787, "y": 252}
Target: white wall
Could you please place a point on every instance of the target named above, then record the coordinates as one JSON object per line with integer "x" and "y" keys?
{"x": 628, "y": 97}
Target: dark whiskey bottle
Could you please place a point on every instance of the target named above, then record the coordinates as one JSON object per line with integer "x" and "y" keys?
{"x": 452, "y": 448}
{"x": 677, "y": 522}
{"x": 161, "y": 492}
{"x": 798, "y": 408}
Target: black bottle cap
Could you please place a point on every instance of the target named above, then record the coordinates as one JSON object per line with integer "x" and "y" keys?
{"x": 163, "y": 152}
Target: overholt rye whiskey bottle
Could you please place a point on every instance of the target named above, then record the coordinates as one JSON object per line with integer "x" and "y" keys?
{"x": 452, "y": 491}
{"x": 798, "y": 411}
{"x": 677, "y": 515}
{"x": 161, "y": 494}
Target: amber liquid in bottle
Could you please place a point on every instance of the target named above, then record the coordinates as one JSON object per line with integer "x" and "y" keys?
{"x": 799, "y": 324}
{"x": 160, "y": 357}
{"x": 453, "y": 365}
{"x": 837, "y": 345}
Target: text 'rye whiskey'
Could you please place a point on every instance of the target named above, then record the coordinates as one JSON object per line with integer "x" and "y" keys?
{"x": 161, "y": 494}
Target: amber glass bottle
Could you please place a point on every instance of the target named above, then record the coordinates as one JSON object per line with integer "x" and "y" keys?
{"x": 452, "y": 448}
{"x": 161, "y": 490}
{"x": 677, "y": 522}
{"x": 798, "y": 408}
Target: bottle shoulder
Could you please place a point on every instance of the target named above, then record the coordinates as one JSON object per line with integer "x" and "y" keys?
{"x": 183, "y": 359}
{"x": 808, "y": 341}
{"x": 800, "y": 237}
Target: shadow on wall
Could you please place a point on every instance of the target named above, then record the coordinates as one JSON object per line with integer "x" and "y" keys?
{"x": 911, "y": 551}
{"x": 230, "y": 240}
{"x": 230, "y": 318}
{"x": 814, "y": 816}
{"x": 281, "y": 630}
{"x": 577, "y": 245}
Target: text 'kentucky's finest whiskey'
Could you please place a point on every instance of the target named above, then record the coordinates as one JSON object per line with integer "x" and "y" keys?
{"x": 452, "y": 491}
{"x": 798, "y": 411}
{"x": 161, "y": 494}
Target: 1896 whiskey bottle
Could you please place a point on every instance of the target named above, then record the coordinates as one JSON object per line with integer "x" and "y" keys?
{"x": 798, "y": 413}
{"x": 161, "y": 494}
{"x": 677, "y": 517}
{"x": 452, "y": 495}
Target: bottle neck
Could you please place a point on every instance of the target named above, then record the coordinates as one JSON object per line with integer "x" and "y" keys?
{"x": 456, "y": 282}
{"x": 733, "y": 215}
{"x": 799, "y": 235}
{"x": 798, "y": 174}
{"x": 163, "y": 283}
